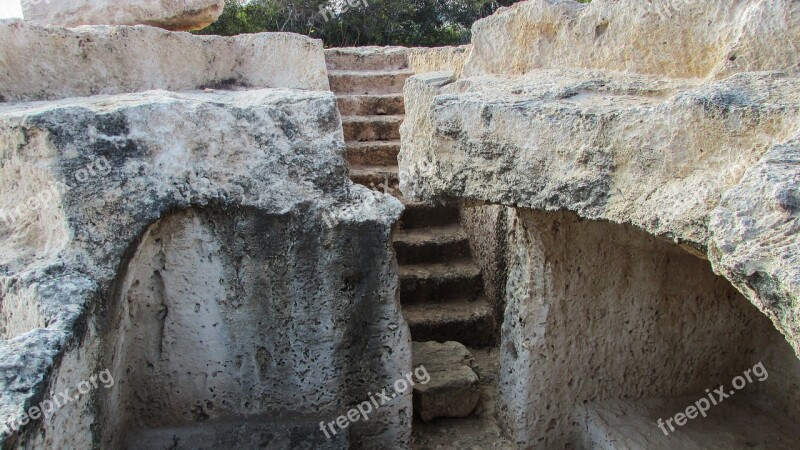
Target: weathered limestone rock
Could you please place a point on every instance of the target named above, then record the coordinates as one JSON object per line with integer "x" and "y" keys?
{"x": 598, "y": 136}
{"x": 454, "y": 387}
{"x": 38, "y": 63}
{"x": 369, "y": 58}
{"x": 679, "y": 118}
{"x": 671, "y": 38}
{"x": 488, "y": 228}
{"x": 181, "y": 250}
{"x": 176, "y": 15}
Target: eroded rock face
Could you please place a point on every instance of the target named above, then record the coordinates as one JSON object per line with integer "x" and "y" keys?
{"x": 39, "y": 63}
{"x": 627, "y": 424}
{"x": 176, "y": 15}
{"x": 187, "y": 263}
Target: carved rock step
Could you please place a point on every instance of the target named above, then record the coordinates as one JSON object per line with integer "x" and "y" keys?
{"x": 371, "y": 105}
{"x": 423, "y": 215}
{"x": 368, "y": 82}
{"x": 366, "y": 58}
{"x": 371, "y": 128}
{"x": 379, "y": 178}
{"x": 373, "y": 153}
{"x": 437, "y": 282}
{"x": 431, "y": 245}
{"x": 462, "y": 320}
{"x": 478, "y": 431}
{"x": 453, "y": 389}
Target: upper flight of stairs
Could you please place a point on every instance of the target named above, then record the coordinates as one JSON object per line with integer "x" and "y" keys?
{"x": 441, "y": 288}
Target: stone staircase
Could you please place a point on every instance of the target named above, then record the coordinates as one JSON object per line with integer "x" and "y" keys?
{"x": 441, "y": 288}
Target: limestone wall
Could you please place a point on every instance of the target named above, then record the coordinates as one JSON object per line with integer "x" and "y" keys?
{"x": 219, "y": 318}
{"x": 489, "y": 228}
{"x": 41, "y": 63}
{"x": 416, "y": 59}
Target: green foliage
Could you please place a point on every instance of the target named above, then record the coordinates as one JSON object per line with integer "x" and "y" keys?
{"x": 368, "y": 22}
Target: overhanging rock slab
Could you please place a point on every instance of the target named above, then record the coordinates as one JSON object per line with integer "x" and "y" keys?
{"x": 656, "y": 153}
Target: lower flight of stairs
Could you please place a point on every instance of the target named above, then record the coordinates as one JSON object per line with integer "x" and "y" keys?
{"x": 441, "y": 288}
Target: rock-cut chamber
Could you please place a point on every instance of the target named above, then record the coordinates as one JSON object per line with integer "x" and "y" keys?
{"x": 220, "y": 334}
